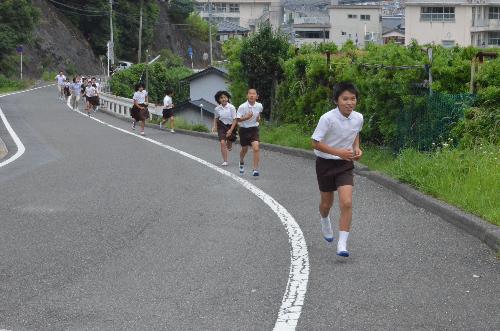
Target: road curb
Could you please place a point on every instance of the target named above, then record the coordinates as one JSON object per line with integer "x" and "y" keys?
{"x": 3, "y": 149}
{"x": 479, "y": 228}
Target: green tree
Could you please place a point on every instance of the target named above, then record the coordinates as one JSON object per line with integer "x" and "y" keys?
{"x": 17, "y": 20}
{"x": 261, "y": 56}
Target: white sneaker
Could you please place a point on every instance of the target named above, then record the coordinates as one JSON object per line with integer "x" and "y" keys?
{"x": 326, "y": 229}
{"x": 224, "y": 164}
{"x": 142, "y": 133}
{"x": 172, "y": 131}
{"x": 133, "y": 125}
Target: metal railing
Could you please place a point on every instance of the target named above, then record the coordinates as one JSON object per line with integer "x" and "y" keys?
{"x": 121, "y": 106}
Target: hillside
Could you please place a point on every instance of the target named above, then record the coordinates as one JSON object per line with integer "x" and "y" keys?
{"x": 176, "y": 38}
{"x": 58, "y": 45}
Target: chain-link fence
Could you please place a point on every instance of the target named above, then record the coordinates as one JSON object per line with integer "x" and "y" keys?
{"x": 427, "y": 120}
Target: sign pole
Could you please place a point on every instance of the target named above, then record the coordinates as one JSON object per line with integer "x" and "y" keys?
{"x": 20, "y": 50}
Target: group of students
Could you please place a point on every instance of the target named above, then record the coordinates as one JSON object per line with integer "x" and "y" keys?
{"x": 335, "y": 140}
{"x": 88, "y": 87}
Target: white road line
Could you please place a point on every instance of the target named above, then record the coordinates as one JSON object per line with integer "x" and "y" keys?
{"x": 20, "y": 146}
{"x": 293, "y": 299}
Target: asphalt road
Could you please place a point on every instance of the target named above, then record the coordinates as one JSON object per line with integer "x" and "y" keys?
{"x": 101, "y": 230}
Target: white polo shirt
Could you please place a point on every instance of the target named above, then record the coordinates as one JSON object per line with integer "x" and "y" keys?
{"x": 167, "y": 102}
{"x": 90, "y": 91}
{"x": 60, "y": 79}
{"x": 337, "y": 131}
{"x": 226, "y": 114}
{"x": 244, "y": 109}
{"x": 140, "y": 97}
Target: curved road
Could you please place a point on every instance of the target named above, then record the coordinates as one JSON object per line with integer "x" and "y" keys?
{"x": 101, "y": 230}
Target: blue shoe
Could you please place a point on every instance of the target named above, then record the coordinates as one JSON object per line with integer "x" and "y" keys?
{"x": 242, "y": 168}
{"x": 343, "y": 253}
{"x": 255, "y": 173}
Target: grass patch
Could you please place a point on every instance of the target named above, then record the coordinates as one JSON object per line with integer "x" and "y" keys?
{"x": 290, "y": 135}
{"x": 11, "y": 85}
{"x": 467, "y": 178}
{"x": 181, "y": 123}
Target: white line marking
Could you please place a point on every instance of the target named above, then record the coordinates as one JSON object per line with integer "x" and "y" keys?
{"x": 20, "y": 146}
{"x": 293, "y": 299}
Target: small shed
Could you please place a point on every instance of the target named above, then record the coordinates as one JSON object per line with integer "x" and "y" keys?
{"x": 203, "y": 85}
{"x": 199, "y": 111}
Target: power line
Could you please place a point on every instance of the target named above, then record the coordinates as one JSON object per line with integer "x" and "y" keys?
{"x": 78, "y": 8}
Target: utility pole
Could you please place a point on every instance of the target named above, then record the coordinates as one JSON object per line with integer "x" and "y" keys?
{"x": 112, "y": 45}
{"x": 429, "y": 54}
{"x": 147, "y": 70}
{"x": 140, "y": 35}
{"x": 210, "y": 29}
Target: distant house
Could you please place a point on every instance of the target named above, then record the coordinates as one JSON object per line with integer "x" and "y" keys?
{"x": 393, "y": 29}
{"x": 227, "y": 30}
{"x": 453, "y": 22}
{"x": 359, "y": 23}
{"x": 203, "y": 85}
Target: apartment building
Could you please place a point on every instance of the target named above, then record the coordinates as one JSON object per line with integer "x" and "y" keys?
{"x": 359, "y": 23}
{"x": 453, "y": 22}
{"x": 245, "y": 13}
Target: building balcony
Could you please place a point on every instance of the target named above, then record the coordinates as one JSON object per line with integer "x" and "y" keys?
{"x": 485, "y": 25}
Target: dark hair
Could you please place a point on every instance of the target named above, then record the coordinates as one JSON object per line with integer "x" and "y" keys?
{"x": 169, "y": 90}
{"x": 221, "y": 93}
{"x": 341, "y": 87}
{"x": 138, "y": 85}
{"x": 74, "y": 79}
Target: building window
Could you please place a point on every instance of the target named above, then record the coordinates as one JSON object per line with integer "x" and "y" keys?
{"x": 220, "y": 7}
{"x": 364, "y": 17}
{"x": 494, "y": 13}
{"x": 352, "y": 16}
{"x": 437, "y": 14}
{"x": 234, "y": 7}
{"x": 448, "y": 43}
{"x": 343, "y": 33}
{"x": 494, "y": 38}
{"x": 312, "y": 34}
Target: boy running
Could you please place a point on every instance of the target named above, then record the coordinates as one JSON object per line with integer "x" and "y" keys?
{"x": 248, "y": 116}
{"x": 60, "y": 78}
{"x": 75, "y": 89}
{"x": 90, "y": 92}
{"x": 336, "y": 144}
{"x": 168, "y": 111}
{"x": 224, "y": 123}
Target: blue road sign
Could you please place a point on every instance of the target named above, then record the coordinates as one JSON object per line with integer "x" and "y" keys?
{"x": 190, "y": 51}
{"x": 19, "y": 49}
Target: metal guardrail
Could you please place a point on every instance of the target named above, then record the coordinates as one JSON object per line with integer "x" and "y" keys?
{"x": 121, "y": 106}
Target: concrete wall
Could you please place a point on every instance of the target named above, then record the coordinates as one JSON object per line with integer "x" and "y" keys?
{"x": 206, "y": 86}
{"x": 340, "y": 22}
{"x": 193, "y": 116}
{"x": 424, "y": 32}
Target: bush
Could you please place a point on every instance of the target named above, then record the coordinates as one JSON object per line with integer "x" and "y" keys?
{"x": 160, "y": 77}
{"x": 199, "y": 28}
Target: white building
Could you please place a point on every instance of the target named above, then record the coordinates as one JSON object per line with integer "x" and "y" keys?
{"x": 359, "y": 23}
{"x": 245, "y": 13}
{"x": 451, "y": 22}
